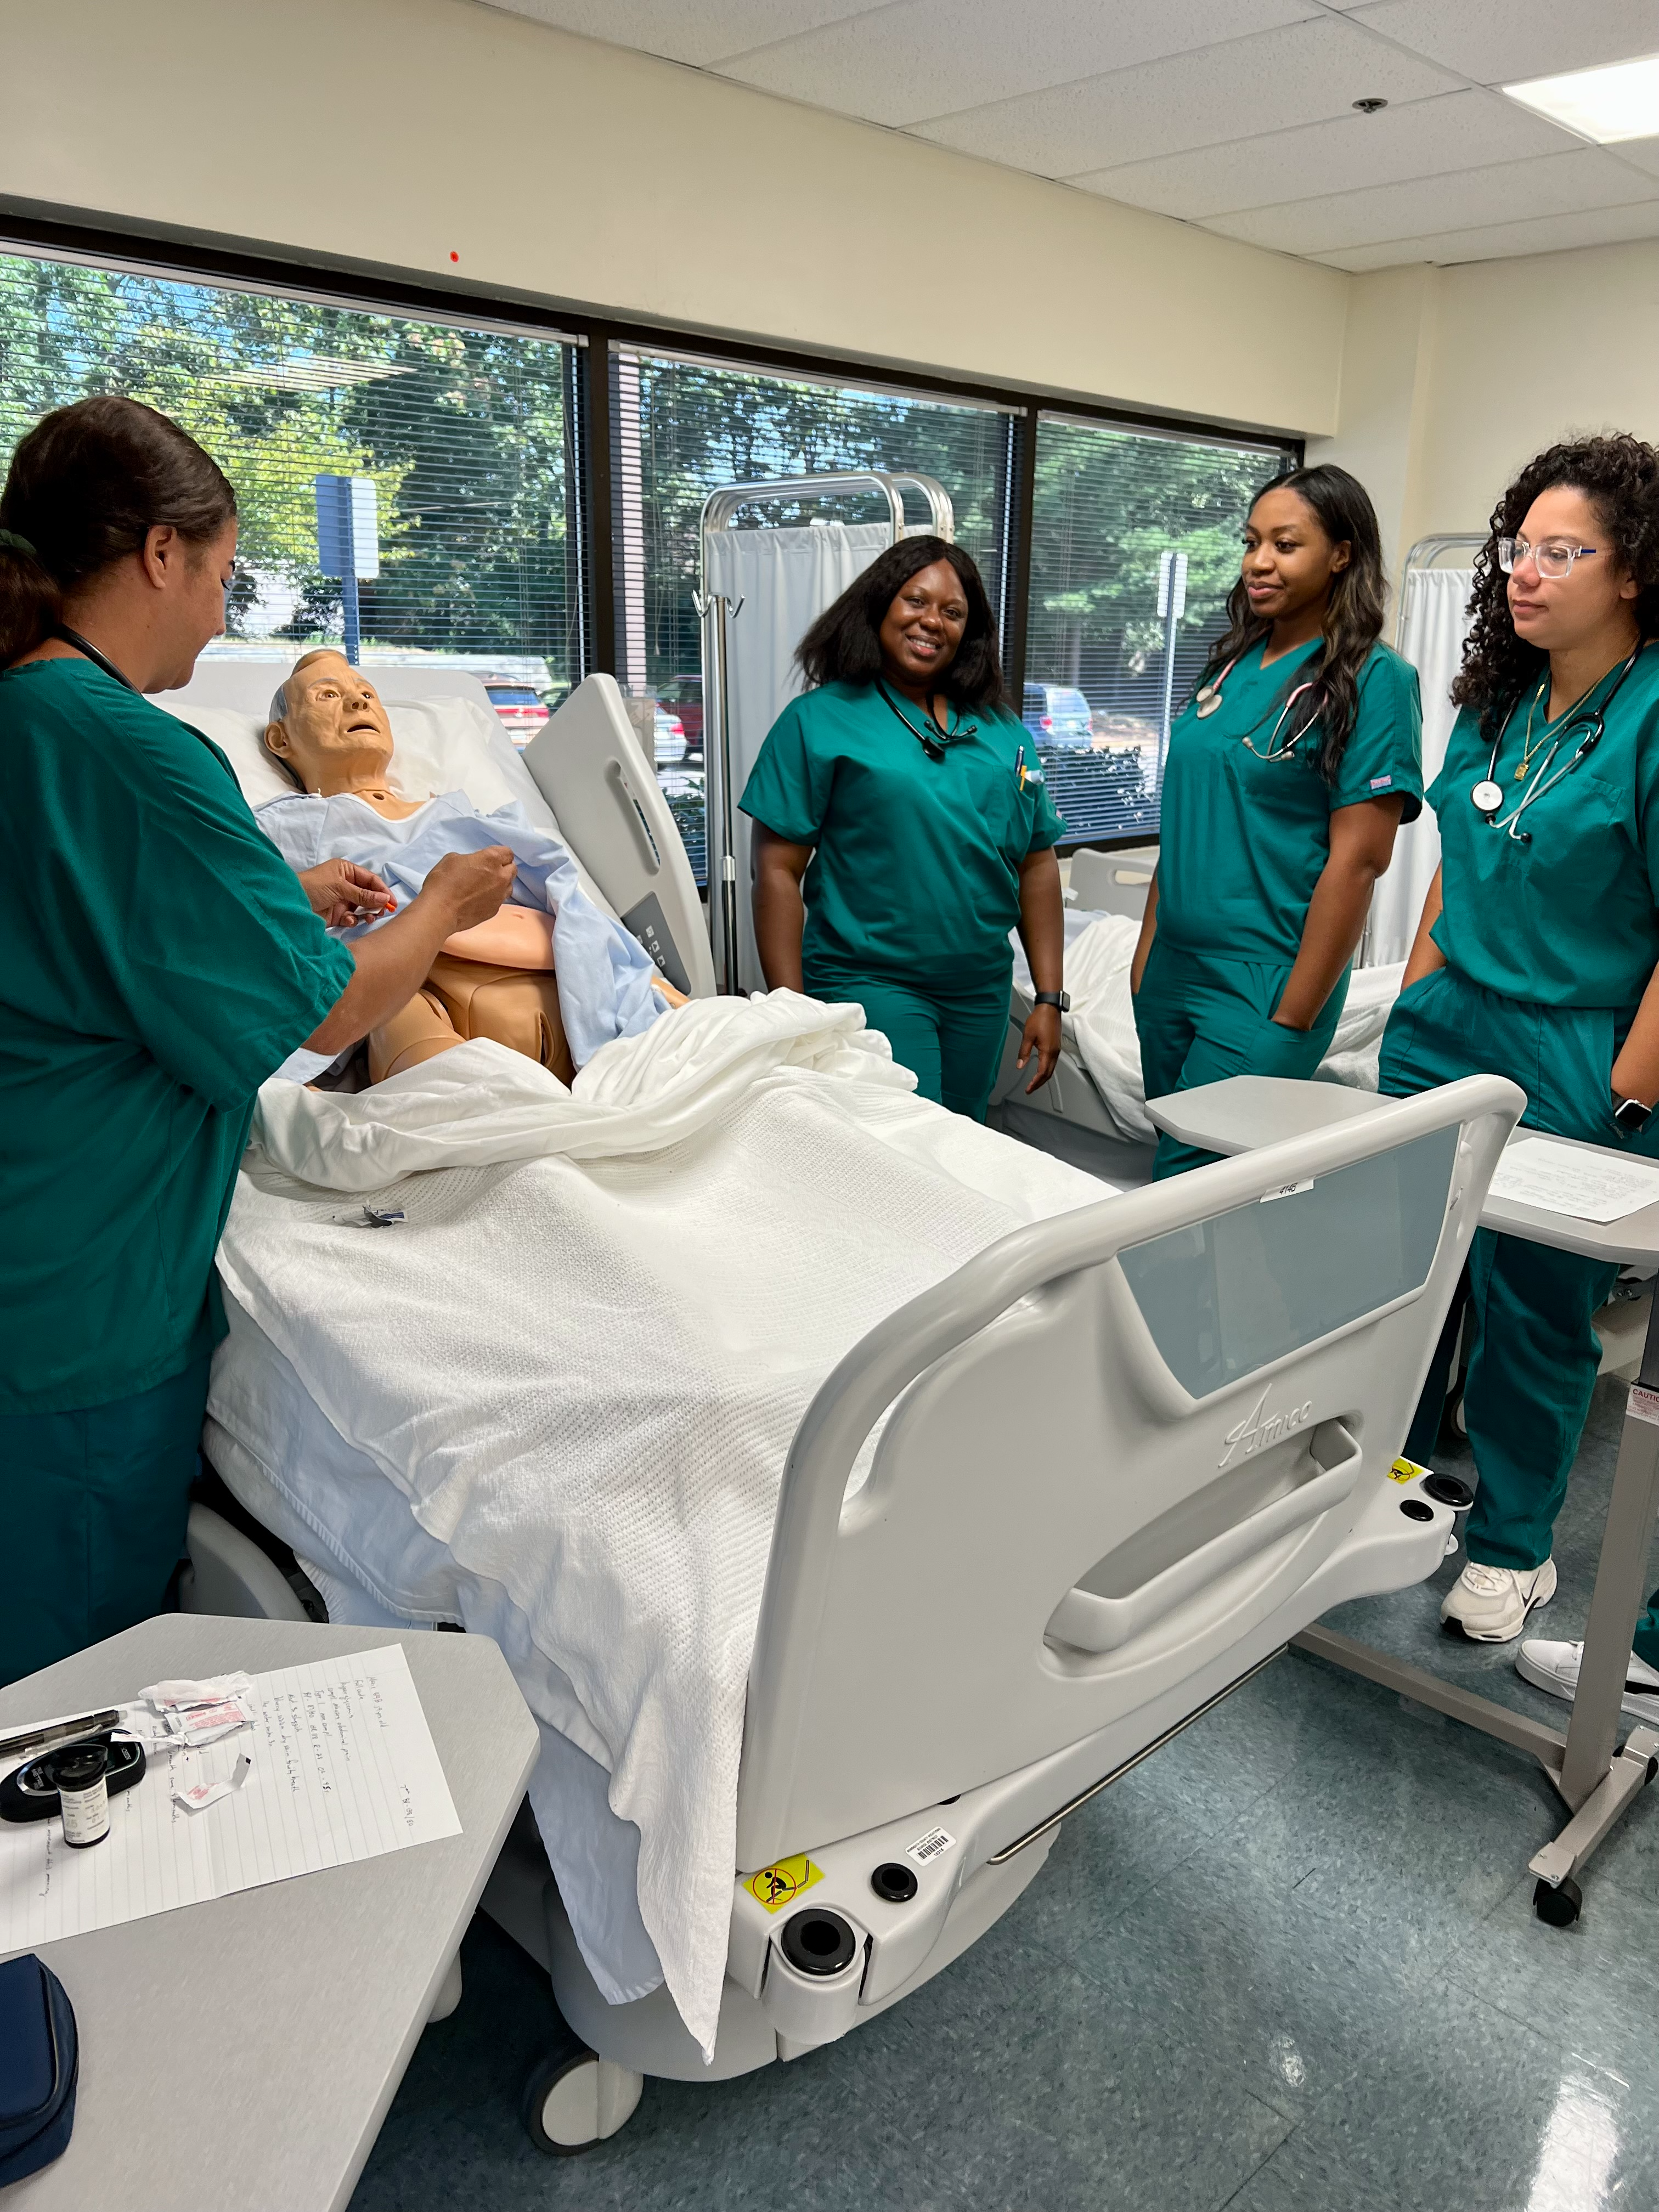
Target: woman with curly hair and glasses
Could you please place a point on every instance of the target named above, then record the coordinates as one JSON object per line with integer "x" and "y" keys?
{"x": 1289, "y": 773}
{"x": 903, "y": 829}
{"x": 1535, "y": 959}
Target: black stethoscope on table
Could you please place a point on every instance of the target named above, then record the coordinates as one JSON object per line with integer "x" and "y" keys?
{"x": 1488, "y": 794}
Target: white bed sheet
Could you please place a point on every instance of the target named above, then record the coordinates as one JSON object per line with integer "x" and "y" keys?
{"x": 583, "y": 1354}
{"x": 355, "y": 1534}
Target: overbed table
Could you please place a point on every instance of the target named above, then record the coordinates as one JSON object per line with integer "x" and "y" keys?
{"x": 1597, "y": 1777}
{"x": 244, "y": 2052}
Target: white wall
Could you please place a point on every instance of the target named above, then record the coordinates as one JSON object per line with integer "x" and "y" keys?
{"x": 1453, "y": 378}
{"x": 1527, "y": 352}
{"x": 397, "y": 132}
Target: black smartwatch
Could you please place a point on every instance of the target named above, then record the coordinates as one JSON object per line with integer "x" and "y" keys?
{"x": 1063, "y": 1000}
{"x": 1631, "y": 1116}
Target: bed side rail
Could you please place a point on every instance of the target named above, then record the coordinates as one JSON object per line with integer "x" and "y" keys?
{"x": 1109, "y": 1432}
{"x": 590, "y": 767}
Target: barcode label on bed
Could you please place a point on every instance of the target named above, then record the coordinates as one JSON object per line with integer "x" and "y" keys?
{"x": 1286, "y": 1190}
{"x": 934, "y": 1845}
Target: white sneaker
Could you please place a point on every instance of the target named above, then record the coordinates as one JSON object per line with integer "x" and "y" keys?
{"x": 1490, "y": 1605}
{"x": 1554, "y": 1667}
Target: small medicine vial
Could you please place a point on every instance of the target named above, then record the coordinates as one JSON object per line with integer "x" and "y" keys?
{"x": 83, "y": 1794}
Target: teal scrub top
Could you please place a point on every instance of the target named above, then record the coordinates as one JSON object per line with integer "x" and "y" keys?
{"x": 1568, "y": 919}
{"x": 1242, "y": 841}
{"x": 160, "y": 961}
{"x": 915, "y": 874}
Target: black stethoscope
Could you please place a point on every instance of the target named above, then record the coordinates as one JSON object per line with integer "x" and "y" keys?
{"x": 932, "y": 740}
{"x": 85, "y": 645}
{"x": 1488, "y": 794}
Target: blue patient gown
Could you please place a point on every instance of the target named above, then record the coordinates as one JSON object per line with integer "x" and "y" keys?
{"x": 603, "y": 974}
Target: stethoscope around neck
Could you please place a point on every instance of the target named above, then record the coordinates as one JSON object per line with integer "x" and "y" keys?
{"x": 932, "y": 740}
{"x": 1488, "y": 794}
{"x": 1208, "y": 701}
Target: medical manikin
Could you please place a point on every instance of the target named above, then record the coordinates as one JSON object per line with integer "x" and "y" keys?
{"x": 550, "y": 975}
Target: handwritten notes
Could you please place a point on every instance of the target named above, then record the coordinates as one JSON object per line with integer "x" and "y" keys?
{"x": 344, "y": 1768}
{"x": 1588, "y": 1185}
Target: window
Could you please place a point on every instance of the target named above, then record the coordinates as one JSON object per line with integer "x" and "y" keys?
{"x": 463, "y": 433}
{"x": 684, "y": 427}
{"x": 1108, "y": 503}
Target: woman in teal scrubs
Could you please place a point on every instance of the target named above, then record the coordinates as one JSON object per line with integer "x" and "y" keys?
{"x": 1288, "y": 773}
{"x": 903, "y": 829}
{"x": 1535, "y": 959}
{"x": 160, "y": 961}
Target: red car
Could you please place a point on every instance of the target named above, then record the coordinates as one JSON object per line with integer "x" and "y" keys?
{"x": 522, "y": 711}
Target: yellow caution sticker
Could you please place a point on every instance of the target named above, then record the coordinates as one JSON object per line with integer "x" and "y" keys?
{"x": 1405, "y": 1470}
{"x": 774, "y": 1887}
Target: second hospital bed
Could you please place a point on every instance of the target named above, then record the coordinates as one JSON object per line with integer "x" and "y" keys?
{"x": 1125, "y": 1452}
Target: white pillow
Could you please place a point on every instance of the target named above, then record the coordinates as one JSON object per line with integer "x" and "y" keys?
{"x": 439, "y": 744}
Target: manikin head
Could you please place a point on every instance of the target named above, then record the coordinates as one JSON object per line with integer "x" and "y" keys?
{"x": 328, "y": 727}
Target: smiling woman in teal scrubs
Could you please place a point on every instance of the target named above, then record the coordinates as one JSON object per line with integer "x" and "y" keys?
{"x": 1535, "y": 959}
{"x": 1288, "y": 773}
{"x": 903, "y": 829}
{"x": 162, "y": 960}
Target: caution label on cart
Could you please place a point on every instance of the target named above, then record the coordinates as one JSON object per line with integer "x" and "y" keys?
{"x": 1642, "y": 1404}
{"x": 774, "y": 1887}
{"x": 1405, "y": 1470}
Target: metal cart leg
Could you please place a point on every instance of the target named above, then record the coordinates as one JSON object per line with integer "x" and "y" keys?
{"x": 1597, "y": 1783}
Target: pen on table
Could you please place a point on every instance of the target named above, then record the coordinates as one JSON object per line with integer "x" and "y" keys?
{"x": 50, "y": 1732}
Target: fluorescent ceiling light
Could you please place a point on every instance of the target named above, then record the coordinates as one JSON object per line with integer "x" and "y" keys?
{"x": 1621, "y": 100}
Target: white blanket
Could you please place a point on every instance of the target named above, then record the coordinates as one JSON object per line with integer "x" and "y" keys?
{"x": 1103, "y": 1021}
{"x": 582, "y": 1355}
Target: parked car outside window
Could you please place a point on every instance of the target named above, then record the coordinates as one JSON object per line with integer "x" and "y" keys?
{"x": 1059, "y": 714}
{"x": 521, "y": 710}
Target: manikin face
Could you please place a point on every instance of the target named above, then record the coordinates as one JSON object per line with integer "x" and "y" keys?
{"x": 336, "y": 734}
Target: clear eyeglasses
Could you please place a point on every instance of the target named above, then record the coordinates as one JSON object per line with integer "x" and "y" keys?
{"x": 1553, "y": 559}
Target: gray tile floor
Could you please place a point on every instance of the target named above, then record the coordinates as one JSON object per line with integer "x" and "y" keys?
{"x": 1291, "y": 1962}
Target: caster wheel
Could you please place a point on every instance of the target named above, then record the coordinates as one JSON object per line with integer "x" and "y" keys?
{"x": 572, "y": 2103}
{"x": 1559, "y": 1907}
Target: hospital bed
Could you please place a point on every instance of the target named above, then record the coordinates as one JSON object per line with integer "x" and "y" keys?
{"x": 584, "y": 773}
{"x": 1124, "y": 1454}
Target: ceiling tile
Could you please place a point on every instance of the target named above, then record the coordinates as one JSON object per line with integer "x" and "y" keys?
{"x": 1560, "y": 184}
{"x": 699, "y": 33}
{"x": 1423, "y": 138}
{"x": 925, "y": 57}
{"x": 1642, "y": 154}
{"x": 1501, "y": 41}
{"x": 1494, "y": 241}
{"x": 1273, "y": 81}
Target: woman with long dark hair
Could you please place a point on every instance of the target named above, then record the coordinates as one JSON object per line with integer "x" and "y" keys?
{"x": 162, "y": 960}
{"x": 1288, "y": 772}
{"x": 1535, "y": 959}
{"x": 903, "y": 829}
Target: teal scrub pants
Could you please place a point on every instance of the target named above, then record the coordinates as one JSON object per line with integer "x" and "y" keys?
{"x": 1201, "y": 1019}
{"x": 950, "y": 1036}
{"x": 94, "y": 1505}
{"x": 1533, "y": 1350}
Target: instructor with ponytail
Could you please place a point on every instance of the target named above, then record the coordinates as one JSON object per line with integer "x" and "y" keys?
{"x": 161, "y": 960}
{"x": 1288, "y": 772}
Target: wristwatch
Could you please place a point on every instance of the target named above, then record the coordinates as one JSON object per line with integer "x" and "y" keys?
{"x": 1631, "y": 1116}
{"x": 1062, "y": 999}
